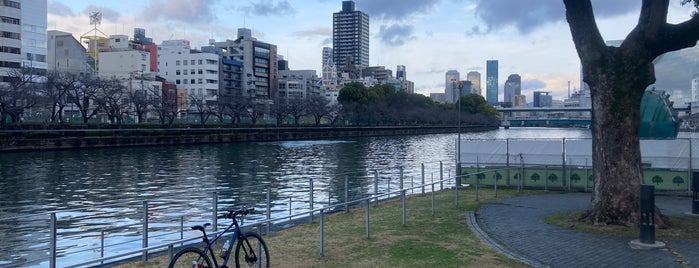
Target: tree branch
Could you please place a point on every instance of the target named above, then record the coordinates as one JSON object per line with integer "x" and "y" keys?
{"x": 586, "y": 36}
{"x": 675, "y": 37}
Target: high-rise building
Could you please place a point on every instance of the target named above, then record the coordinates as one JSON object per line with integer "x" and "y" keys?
{"x": 475, "y": 78}
{"x": 192, "y": 70}
{"x": 542, "y": 99}
{"x": 451, "y": 81}
{"x": 491, "y": 81}
{"x": 695, "y": 90}
{"x": 350, "y": 36}
{"x": 400, "y": 73}
{"x": 513, "y": 87}
{"x": 23, "y": 41}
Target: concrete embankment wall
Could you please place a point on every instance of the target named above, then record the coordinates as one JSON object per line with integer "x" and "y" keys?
{"x": 78, "y": 139}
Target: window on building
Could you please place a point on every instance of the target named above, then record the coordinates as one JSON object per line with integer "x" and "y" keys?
{"x": 200, "y": 71}
{"x": 185, "y": 81}
{"x": 200, "y": 81}
{"x": 177, "y": 72}
{"x": 193, "y": 81}
{"x": 184, "y": 62}
{"x": 184, "y": 72}
{"x": 192, "y": 71}
{"x": 177, "y": 63}
{"x": 177, "y": 81}
{"x": 201, "y": 62}
{"x": 191, "y": 62}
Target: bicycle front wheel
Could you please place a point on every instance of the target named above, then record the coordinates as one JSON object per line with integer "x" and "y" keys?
{"x": 251, "y": 251}
{"x": 190, "y": 257}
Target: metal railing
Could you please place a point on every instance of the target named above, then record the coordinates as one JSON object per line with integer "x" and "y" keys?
{"x": 149, "y": 228}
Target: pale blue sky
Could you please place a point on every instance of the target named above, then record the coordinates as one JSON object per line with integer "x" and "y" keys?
{"x": 528, "y": 37}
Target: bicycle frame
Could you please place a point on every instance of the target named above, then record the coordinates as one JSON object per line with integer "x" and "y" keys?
{"x": 208, "y": 250}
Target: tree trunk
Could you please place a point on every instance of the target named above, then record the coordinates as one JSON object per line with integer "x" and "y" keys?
{"x": 617, "y": 83}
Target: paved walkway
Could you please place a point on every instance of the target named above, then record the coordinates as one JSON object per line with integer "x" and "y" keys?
{"x": 517, "y": 225}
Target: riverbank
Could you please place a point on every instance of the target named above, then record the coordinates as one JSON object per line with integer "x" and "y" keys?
{"x": 33, "y": 140}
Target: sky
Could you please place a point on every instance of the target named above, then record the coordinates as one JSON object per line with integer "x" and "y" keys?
{"x": 528, "y": 37}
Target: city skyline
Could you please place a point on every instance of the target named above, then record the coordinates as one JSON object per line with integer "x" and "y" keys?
{"x": 428, "y": 37}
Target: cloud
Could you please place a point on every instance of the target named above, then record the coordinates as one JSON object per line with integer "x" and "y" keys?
{"x": 527, "y": 15}
{"x": 320, "y": 31}
{"x": 533, "y": 84}
{"x": 395, "y": 10}
{"x": 396, "y": 35}
{"x": 59, "y": 9}
{"x": 269, "y": 8}
{"x": 182, "y": 10}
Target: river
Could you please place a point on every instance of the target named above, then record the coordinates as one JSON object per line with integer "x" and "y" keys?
{"x": 102, "y": 189}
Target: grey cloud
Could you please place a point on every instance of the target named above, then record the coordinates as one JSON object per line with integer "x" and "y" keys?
{"x": 396, "y": 35}
{"x": 527, "y": 15}
{"x": 57, "y": 8}
{"x": 395, "y": 10}
{"x": 107, "y": 13}
{"x": 327, "y": 42}
{"x": 320, "y": 31}
{"x": 532, "y": 84}
{"x": 269, "y": 8}
{"x": 182, "y": 10}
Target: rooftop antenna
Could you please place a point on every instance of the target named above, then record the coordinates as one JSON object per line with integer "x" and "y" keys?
{"x": 94, "y": 40}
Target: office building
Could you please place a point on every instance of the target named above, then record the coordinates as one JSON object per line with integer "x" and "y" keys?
{"x": 451, "y": 81}
{"x": 543, "y": 99}
{"x": 260, "y": 65}
{"x": 23, "y": 42}
{"x": 513, "y": 87}
{"x": 350, "y": 36}
{"x": 491, "y": 82}
{"x": 475, "y": 78}
{"x": 195, "y": 71}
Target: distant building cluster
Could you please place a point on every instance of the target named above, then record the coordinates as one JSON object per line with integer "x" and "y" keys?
{"x": 240, "y": 67}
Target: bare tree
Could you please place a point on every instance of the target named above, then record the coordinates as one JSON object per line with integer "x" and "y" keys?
{"x": 617, "y": 77}
{"x": 113, "y": 99}
{"x": 280, "y": 110}
{"x": 140, "y": 99}
{"x": 255, "y": 109}
{"x": 318, "y": 107}
{"x": 203, "y": 108}
{"x": 83, "y": 97}
{"x": 164, "y": 104}
{"x": 18, "y": 94}
{"x": 296, "y": 108}
{"x": 58, "y": 84}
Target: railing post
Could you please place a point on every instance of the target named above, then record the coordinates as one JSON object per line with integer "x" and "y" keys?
{"x": 290, "y": 208}
{"x": 322, "y": 227}
{"x": 456, "y": 195}
{"x": 647, "y": 229}
{"x": 144, "y": 256}
{"x": 52, "y": 240}
{"x": 102, "y": 246}
{"x": 376, "y": 186}
{"x": 402, "y": 196}
{"x": 269, "y": 208}
{"x": 441, "y": 176}
{"x": 366, "y": 208}
{"x": 401, "y": 178}
{"x": 432, "y": 199}
{"x": 214, "y": 212}
{"x": 346, "y": 193}
{"x": 389, "y": 188}
{"x": 181, "y": 231}
{"x": 423, "y": 178}
{"x": 310, "y": 195}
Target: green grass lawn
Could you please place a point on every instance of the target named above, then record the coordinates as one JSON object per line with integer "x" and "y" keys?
{"x": 426, "y": 240}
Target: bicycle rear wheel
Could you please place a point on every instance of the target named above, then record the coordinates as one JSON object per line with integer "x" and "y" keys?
{"x": 190, "y": 257}
{"x": 251, "y": 251}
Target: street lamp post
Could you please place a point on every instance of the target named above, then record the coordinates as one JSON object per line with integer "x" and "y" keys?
{"x": 458, "y": 133}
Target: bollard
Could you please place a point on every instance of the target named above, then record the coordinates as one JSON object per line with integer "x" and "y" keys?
{"x": 647, "y": 232}
{"x": 695, "y": 193}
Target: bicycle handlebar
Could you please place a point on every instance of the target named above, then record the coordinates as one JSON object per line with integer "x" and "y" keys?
{"x": 233, "y": 213}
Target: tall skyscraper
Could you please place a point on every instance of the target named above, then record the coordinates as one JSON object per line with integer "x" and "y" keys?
{"x": 451, "y": 85}
{"x": 350, "y": 36}
{"x": 24, "y": 39}
{"x": 475, "y": 78}
{"x": 513, "y": 86}
{"x": 491, "y": 81}
{"x": 400, "y": 72}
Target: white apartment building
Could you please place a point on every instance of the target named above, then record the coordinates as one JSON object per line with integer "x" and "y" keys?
{"x": 193, "y": 70}
{"x": 66, "y": 54}
{"x": 121, "y": 61}
{"x": 23, "y": 41}
{"x": 298, "y": 83}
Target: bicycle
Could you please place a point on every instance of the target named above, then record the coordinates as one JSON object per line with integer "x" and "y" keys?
{"x": 254, "y": 250}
